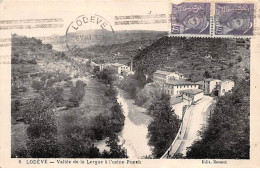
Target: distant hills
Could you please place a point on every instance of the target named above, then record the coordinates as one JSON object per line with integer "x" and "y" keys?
{"x": 91, "y": 40}
{"x": 120, "y": 44}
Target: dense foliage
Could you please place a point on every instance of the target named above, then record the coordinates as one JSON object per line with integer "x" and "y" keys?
{"x": 227, "y": 136}
{"x": 42, "y": 130}
{"x": 107, "y": 75}
{"x": 111, "y": 121}
{"x": 146, "y": 96}
{"x": 133, "y": 83}
{"x": 164, "y": 127}
{"x": 77, "y": 94}
{"x": 116, "y": 151}
{"x": 194, "y": 56}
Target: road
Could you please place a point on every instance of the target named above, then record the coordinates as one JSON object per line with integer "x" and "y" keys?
{"x": 194, "y": 120}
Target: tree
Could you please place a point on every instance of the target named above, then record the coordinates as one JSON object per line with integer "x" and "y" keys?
{"x": 117, "y": 118}
{"x": 14, "y": 91}
{"x": 54, "y": 94}
{"x": 77, "y": 93}
{"x": 23, "y": 89}
{"x": 116, "y": 151}
{"x": 101, "y": 127}
{"x": 207, "y": 74}
{"x": 68, "y": 84}
{"x": 107, "y": 75}
{"x": 111, "y": 121}
{"x": 50, "y": 82}
{"x": 42, "y": 128}
{"x": 239, "y": 59}
{"x": 38, "y": 85}
{"x": 49, "y": 46}
{"x": 164, "y": 127}
{"x": 43, "y": 148}
{"x": 146, "y": 96}
{"x": 227, "y": 136}
{"x": 77, "y": 143}
{"x": 140, "y": 77}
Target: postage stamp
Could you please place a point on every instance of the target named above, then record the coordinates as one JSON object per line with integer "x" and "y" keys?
{"x": 234, "y": 19}
{"x": 190, "y": 18}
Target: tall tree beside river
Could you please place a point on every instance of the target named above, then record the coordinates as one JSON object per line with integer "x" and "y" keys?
{"x": 164, "y": 127}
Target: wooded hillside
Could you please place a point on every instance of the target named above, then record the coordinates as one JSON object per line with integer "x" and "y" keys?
{"x": 222, "y": 58}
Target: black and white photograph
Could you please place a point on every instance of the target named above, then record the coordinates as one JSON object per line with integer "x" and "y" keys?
{"x": 97, "y": 90}
{"x": 132, "y": 99}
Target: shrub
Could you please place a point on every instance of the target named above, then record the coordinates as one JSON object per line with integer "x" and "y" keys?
{"x": 14, "y": 91}
{"x": 68, "y": 84}
{"x": 239, "y": 59}
{"x": 38, "y": 85}
{"x": 20, "y": 153}
{"x": 116, "y": 151}
{"x": 77, "y": 94}
{"x": 43, "y": 148}
{"x": 23, "y": 89}
{"x": 50, "y": 82}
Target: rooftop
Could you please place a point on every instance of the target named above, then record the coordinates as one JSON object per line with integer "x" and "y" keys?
{"x": 167, "y": 72}
{"x": 180, "y": 82}
{"x": 178, "y": 73}
{"x": 226, "y": 80}
{"x": 116, "y": 64}
{"x": 211, "y": 79}
{"x": 162, "y": 72}
{"x": 176, "y": 99}
{"x": 199, "y": 82}
{"x": 192, "y": 91}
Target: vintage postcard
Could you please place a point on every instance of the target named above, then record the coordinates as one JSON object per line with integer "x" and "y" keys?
{"x": 127, "y": 83}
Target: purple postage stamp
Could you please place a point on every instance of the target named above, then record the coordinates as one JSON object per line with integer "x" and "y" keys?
{"x": 190, "y": 18}
{"x": 234, "y": 19}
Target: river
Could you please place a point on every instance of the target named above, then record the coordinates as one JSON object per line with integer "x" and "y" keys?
{"x": 134, "y": 133}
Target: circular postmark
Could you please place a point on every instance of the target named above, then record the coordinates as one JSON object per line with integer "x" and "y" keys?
{"x": 86, "y": 31}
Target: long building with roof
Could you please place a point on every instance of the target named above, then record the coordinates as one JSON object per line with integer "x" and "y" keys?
{"x": 165, "y": 76}
{"x": 174, "y": 87}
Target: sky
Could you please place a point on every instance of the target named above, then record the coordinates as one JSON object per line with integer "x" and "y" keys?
{"x": 70, "y": 10}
